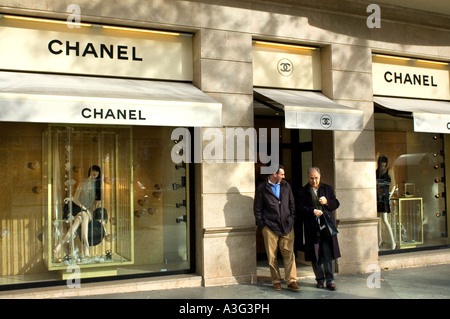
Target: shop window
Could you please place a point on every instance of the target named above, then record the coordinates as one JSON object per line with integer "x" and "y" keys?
{"x": 161, "y": 203}
{"x": 137, "y": 203}
{"x": 411, "y": 197}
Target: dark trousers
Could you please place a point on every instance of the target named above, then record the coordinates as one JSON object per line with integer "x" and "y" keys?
{"x": 324, "y": 267}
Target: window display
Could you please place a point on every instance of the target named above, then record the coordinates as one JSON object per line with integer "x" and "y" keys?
{"x": 106, "y": 199}
{"x": 87, "y": 172}
{"x": 415, "y": 184}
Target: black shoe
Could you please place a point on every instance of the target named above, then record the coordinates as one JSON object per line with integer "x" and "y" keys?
{"x": 331, "y": 286}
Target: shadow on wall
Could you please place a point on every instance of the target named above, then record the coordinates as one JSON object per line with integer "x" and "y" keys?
{"x": 241, "y": 239}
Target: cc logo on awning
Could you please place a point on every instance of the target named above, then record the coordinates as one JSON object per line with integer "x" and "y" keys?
{"x": 285, "y": 67}
{"x": 325, "y": 121}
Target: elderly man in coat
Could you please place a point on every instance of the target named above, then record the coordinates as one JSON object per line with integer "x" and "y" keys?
{"x": 315, "y": 204}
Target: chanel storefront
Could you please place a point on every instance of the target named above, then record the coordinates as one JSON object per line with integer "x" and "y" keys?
{"x": 91, "y": 188}
{"x": 411, "y": 134}
{"x": 113, "y": 120}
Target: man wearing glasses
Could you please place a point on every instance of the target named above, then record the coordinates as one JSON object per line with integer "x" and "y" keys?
{"x": 316, "y": 203}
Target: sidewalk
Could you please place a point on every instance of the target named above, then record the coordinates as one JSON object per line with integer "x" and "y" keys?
{"x": 431, "y": 282}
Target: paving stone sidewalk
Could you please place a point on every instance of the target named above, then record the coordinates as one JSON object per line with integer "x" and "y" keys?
{"x": 431, "y": 282}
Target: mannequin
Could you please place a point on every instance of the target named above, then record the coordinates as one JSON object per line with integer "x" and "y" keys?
{"x": 86, "y": 198}
{"x": 385, "y": 189}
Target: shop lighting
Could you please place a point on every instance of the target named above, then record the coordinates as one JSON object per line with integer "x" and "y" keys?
{"x": 23, "y": 18}
{"x": 7, "y": 16}
{"x": 140, "y": 30}
{"x": 409, "y": 59}
{"x": 392, "y": 57}
{"x": 432, "y": 62}
{"x": 281, "y": 45}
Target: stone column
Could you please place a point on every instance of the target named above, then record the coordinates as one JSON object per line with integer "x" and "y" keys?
{"x": 225, "y": 226}
{"x": 347, "y": 79}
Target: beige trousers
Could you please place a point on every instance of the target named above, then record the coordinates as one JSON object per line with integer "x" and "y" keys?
{"x": 272, "y": 242}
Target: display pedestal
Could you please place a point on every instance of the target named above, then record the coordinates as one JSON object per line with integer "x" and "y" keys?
{"x": 408, "y": 221}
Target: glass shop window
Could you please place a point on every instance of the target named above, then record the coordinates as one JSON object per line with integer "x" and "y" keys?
{"x": 161, "y": 203}
{"x": 108, "y": 200}
{"x": 411, "y": 196}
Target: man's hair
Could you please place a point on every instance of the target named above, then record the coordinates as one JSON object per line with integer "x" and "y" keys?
{"x": 314, "y": 169}
{"x": 279, "y": 167}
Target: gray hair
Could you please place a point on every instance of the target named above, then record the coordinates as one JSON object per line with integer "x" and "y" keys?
{"x": 314, "y": 169}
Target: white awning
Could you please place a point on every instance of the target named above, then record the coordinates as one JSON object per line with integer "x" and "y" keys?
{"x": 429, "y": 116}
{"x": 311, "y": 110}
{"x": 49, "y": 98}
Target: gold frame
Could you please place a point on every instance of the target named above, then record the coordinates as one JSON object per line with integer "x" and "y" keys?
{"x": 47, "y": 207}
{"x": 403, "y": 244}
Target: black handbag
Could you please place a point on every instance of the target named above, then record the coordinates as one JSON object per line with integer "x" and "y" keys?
{"x": 330, "y": 229}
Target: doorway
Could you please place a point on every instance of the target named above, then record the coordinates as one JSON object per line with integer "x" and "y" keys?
{"x": 295, "y": 147}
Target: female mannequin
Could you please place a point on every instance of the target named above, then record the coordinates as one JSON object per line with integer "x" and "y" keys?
{"x": 385, "y": 189}
{"x": 86, "y": 198}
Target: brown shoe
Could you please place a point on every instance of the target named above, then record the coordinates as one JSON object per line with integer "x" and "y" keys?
{"x": 293, "y": 286}
{"x": 277, "y": 286}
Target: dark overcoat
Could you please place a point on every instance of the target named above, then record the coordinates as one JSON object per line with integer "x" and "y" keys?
{"x": 277, "y": 214}
{"x": 305, "y": 208}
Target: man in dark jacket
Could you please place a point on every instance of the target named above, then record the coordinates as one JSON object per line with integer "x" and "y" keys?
{"x": 274, "y": 210}
{"x": 315, "y": 202}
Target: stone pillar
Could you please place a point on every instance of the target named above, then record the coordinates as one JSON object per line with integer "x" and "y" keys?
{"x": 225, "y": 226}
{"x": 347, "y": 79}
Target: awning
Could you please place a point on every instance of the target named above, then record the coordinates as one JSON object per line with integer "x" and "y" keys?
{"x": 311, "y": 110}
{"x": 429, "y": 116}
{"x": 49, "y": 98}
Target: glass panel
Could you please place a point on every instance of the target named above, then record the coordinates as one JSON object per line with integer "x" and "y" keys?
{"x": 411, "y": 196}
{"x": 304, "y": 136}
{"x": 145, "y": 227}
{"x": 160, "y": 203}
{"x": 21, "y": 194}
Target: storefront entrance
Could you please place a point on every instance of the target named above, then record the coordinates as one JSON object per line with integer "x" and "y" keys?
{"x": 295, "y": 148}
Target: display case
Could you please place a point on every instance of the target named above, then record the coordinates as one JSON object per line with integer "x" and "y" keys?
{"x": 88, "y": 206}
{"x": 408, "y": 221}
